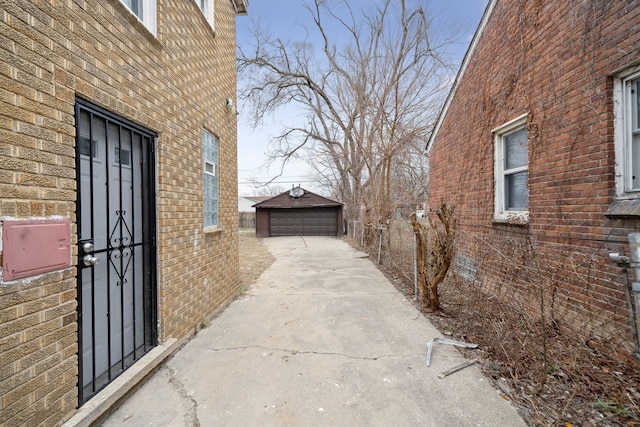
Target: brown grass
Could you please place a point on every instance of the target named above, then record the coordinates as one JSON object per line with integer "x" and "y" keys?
{"x": 254, "y": 258}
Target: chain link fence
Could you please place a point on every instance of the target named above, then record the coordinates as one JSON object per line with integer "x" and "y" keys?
{"x": 393, "y": 247}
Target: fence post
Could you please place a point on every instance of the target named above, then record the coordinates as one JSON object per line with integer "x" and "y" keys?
{"x": 415, "y": 267}
{"x": 380, "y": 245}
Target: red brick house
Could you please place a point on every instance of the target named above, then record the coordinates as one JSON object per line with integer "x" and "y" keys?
{"x": 538, "y": 149}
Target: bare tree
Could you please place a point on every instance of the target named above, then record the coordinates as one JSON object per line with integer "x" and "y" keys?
{"x": 268, "y": 190}
{"x": 370, "y": 90}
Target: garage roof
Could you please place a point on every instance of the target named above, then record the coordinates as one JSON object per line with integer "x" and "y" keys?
{"x": 288, "y": 200}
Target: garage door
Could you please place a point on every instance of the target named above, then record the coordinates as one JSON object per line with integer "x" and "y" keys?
{"x": 303, "y": 222}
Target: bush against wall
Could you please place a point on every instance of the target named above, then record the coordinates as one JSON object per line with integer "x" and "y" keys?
{"x": 555, "y": 366}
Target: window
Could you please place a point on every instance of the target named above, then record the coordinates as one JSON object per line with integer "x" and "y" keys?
{"x": 206, "y": 6}
{"x": 134, "y": 6}
{"x": 511, "y": 171}
{"x": 122, "y": 157}
{"x": 210, "y": 146}
{"x": 627, "y": 133}
{"x": 145, "y": 10}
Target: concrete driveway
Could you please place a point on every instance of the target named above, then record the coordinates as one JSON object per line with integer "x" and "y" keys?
{"x": 322, "y": 339}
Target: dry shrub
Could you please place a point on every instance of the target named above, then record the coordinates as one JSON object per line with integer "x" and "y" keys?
{"x": 575, "y": 384}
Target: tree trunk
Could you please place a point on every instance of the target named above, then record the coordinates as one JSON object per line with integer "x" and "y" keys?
{"x": 421, "y": 253}
{"x": 434, "y": 261}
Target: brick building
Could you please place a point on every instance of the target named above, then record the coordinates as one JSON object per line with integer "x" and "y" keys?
{"x": 118, "y": 182}
{"x": 537, "y": 149}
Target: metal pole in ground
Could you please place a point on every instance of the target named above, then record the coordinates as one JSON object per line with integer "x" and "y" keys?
{"x": 634, "y": 249}
{"x": 380, "y": 245}
{"x": 415, "y": 267}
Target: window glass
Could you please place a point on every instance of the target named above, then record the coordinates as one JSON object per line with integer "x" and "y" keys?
{"x": 515, "y": 148}
{"x": 145, "y": 10}
{"x": 516, "y": 193}
{"x": 206, "y": 6}
{"x": 134, "y": 5}
{"x": 122, "y": 156}
{"x": 636, "y": 105}
{"x": 86, "y": 146}
{"x": 635, "y": 162}
{"x": 633, "y": 132}
{"x": 210, "y": 147}
{"x": 209, "y": 168}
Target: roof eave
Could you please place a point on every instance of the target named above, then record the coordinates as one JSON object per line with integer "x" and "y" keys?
{"x": 241, "y": 6}
{"x": 316, "y": 205}
{"x": 270, "y": 204}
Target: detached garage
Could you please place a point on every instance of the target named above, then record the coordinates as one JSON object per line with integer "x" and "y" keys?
{"x": 298, "y": 212}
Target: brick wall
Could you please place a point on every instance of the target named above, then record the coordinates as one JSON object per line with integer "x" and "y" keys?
{"x": 174, "y": 84}
{"x": 198, "y": 269}
{"x": 554, "y": 62}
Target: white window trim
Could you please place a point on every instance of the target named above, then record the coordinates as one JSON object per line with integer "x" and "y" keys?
{"x": 208, "y": 12}
{"x": 148, "y": 15}
{"x": 500, "y": 214}
{"x": 622, "y": 133}
{"x": 213, "y": 168}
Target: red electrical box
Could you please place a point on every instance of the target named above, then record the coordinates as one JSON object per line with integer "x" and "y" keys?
{"x": 35, "y": 246}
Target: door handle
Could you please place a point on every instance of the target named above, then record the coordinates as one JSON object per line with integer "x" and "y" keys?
{"x": 90, "y": 260}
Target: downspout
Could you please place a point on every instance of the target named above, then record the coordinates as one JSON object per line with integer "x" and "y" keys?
{"x": 634, "y": 248}
{"x": 633, "y": 262}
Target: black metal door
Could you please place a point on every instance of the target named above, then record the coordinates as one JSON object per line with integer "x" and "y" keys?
{"x": 116, "y": 246}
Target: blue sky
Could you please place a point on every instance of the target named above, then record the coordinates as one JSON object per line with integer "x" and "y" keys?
{"x": 285, "y": 19}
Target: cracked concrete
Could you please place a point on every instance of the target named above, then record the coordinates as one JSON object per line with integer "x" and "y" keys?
{"x": 322, "y": 338}
{"x": 191, "y": 414}
{"x": 294, "y": 352}
{"x": 164, "y": 388}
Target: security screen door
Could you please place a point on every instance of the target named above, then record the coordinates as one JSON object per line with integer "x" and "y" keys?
{"x": 116, "y": 246}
